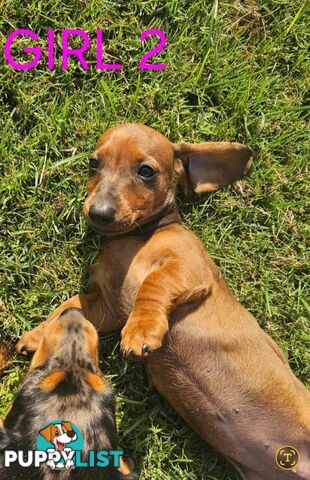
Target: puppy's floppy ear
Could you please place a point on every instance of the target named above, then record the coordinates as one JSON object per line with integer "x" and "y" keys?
{"x": 209, "y": 166}
{"x": 48, "y": 433}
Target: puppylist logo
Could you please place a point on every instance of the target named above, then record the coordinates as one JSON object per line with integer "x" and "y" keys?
{"x": 60, "y": 446}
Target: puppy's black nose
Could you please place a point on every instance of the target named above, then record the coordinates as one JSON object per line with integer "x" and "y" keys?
{"x": 70, "y": 433}
{"x": 101, "y": 215}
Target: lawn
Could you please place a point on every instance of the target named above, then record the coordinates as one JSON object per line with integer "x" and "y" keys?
{"x": 236, "y": 71}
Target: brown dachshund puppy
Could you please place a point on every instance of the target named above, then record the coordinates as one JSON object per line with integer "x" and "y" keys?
{"x": 210, "y": 358}
{"x": 63, "y": 382}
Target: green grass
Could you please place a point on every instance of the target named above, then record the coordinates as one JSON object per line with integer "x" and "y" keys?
{"x": 236, "y": 71}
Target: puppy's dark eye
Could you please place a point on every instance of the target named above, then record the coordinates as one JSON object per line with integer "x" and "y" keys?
{"x": 57, "y": 433}
{"x": 146, "y": 172}
{"x": 93, "y": 165}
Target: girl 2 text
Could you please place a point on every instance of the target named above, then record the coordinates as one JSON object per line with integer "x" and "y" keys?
{"x": 67, "y": 52}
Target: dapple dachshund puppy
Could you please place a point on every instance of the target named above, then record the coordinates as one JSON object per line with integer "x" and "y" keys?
{"x": 63, "y": 382}
{"x": 206, "y": 354}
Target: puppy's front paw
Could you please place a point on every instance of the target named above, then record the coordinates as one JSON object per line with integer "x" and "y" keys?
{"x": 135, "y": 341}
{"x": 28, "y": 343}
{"x": 141, "y": 337}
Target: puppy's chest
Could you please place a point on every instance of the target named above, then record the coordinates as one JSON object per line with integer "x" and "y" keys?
{"x": 120, "y": 270}
{"x": 134, "y": 277}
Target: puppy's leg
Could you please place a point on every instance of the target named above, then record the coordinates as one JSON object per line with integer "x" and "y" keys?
{"x": 161, "y": 291}
{"x": 93, "y": 307}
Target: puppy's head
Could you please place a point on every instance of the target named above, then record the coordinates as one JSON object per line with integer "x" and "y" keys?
{"x": 131, "y": 178}
{"x": 69, "y": 337}
{"x": 135, "y": 172}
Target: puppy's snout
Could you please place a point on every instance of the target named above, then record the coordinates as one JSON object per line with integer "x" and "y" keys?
{"x": 103, "y": 214}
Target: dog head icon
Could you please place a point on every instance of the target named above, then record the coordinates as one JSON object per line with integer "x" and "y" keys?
{"x": 59, "y": 434}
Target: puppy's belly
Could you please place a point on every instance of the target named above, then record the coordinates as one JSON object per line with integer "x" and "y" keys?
{"x": 235, "y": 392}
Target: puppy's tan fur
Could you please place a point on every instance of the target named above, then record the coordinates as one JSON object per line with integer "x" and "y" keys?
{"x": 206, "y": 354}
